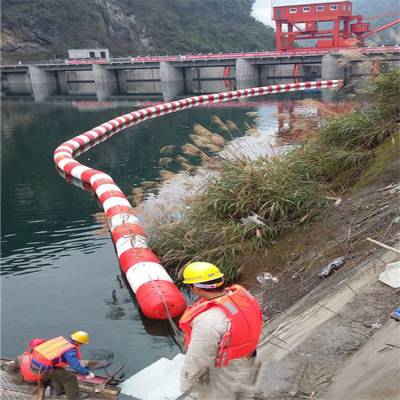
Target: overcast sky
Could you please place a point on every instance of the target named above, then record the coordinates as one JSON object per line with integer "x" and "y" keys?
{"x": 262, "y": 9}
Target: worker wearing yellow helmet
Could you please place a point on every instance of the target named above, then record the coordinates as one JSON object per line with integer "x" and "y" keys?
{"x": 49, "y": 359}
{"x": 221, "y": 331}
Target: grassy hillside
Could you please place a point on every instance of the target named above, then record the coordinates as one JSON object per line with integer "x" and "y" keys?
{"x": 47, "y": 28}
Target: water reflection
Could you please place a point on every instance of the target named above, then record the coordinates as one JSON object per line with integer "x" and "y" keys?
{"x": 120, "y": 305}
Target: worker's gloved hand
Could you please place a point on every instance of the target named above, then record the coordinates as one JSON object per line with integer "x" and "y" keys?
{"x": 90, "y": 375}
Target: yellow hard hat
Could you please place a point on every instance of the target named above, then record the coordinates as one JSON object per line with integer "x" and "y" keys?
{"x": 198, "y": 272}
{"x": 80, "y": 337}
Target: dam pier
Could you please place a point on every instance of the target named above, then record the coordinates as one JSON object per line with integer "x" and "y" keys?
{"x": 170, "y": 77}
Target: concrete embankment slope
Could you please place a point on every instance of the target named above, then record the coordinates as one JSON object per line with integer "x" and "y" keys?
{"x": 332, "y": 343}
{"x": 374, "y": 371}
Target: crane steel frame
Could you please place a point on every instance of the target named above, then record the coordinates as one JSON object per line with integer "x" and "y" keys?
{"x": 301, "y": 22}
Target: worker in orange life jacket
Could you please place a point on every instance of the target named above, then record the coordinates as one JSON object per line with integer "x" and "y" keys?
{"x": 221, "y": 332}
{"x": 49, "y": 359}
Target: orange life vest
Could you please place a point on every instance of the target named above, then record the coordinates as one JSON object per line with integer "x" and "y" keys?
{"x": 244, "y": 313}
{"x": 48, "y": 354}
{"x": 27, "y": 373}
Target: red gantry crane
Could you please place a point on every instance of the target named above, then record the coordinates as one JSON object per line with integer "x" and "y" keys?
{"x": 339, "y": 27}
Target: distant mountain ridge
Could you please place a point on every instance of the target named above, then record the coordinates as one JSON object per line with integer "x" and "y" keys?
{"x": 40, "y": 29}
{"x": 370, "y": 8}
{"x": 43, "y": 29}
{"x": 386, "y": 8}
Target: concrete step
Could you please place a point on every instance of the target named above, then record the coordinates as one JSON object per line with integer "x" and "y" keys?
{"x": 158, "y": 381}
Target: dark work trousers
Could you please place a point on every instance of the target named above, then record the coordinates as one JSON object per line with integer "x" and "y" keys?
{"x": 63, "y": 381}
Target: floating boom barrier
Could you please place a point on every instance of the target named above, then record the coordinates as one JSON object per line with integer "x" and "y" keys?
{"x": 156, "y": 294}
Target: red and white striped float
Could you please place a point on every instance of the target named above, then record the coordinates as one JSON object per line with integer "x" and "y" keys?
{"x": 155, "y": 291}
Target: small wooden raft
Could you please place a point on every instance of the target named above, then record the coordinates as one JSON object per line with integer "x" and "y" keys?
{"x": 12, "y": 389}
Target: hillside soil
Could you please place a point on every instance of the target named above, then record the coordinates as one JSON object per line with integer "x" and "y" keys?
{"x": 322, "y": 336}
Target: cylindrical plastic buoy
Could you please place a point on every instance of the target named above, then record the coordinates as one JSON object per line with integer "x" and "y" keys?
{"x": 152, "y": 295}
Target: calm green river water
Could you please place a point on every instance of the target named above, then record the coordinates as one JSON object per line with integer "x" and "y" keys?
{"x": 58, "y": 275}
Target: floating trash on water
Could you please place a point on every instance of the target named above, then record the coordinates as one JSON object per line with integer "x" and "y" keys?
{"x": 332, "y": 266}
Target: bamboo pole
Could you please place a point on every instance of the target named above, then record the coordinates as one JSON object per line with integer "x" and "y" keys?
{"x": 385, "y": 246}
